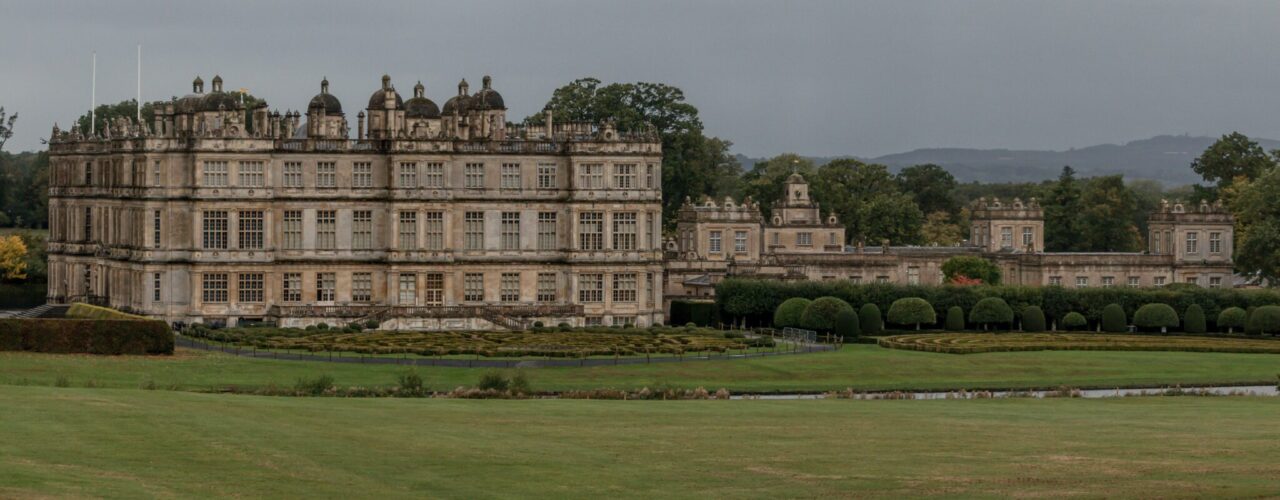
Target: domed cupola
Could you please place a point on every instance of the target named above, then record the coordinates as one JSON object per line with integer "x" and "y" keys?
{"x": 459, "y": 103}
{"x": 325, "y": 100}
{"x": 379, "y": 98}
{"x": 419, "y": 106}
{"x": 218, "y": 100}
{"x": 487, "y": 98}
{"x": 191, "y": 102}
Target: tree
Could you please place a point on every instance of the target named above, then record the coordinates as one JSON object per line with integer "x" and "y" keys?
{"x": 1033, "y": 319}
{"x": 1232, "y": 156}
{"x": 1114, "y": 319}
{"x": 1061, "y": 214}
{"x": 868, "y": 202}
{"x": 1264, "y": 320}
{"x": 1232, "y": 318}
{"x": 955, "y": 319}
{"x": 1106, "y": 215}
{"x": 1074, "y": 321}
{"x": 871, "y": 321}
{"x": 1156, "y": 315}
{"x": 912, "y": 311}
{"x": 6, "y": 127}
{"x": 932, "y": 187}
{"x": 971, "y": 266}
{"x": 789, "y": 312}
{"x": 1193, "y": 320}
{"x": 938, "y": 230}
{"x": 821, "y": 314}
{"x": 693, "y": 164}
{"x": 989, "y": 311}
{"x": 1257, "y": 231}
{"x": 847, "y": 325}
{"x": 13, "y": 258}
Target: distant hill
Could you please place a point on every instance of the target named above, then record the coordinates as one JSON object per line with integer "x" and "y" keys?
{"x": 1166, "y": 158}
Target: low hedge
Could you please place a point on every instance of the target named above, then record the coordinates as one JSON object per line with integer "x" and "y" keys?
{"x": 754, "y": 300}
{"x": 88, "y": 336}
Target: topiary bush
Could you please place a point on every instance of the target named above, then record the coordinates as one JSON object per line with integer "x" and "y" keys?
{"x": 1264, "y": 320}
{"x": 870, "y": 320}
{"x": 1114, "y": 320}
{"x": 1232, "y": 318}
{"x": 788, "y": 314}
{"x": 955, "y": 319}
{"x": 847, "y": 325}
{"x": 991, "y": 311}
{"x": 1193, "y": 320}
{"x": 821, "y": 313}
{"x": 1152, "y": 316}
{"x": 1033, "y": 319}
{"x": 912, "y": 311}
{"x": 1074, "y": 322}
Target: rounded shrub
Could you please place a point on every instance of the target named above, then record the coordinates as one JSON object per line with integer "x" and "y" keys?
{"x": 1193, "y": 320}
{"x": 1074, "y": 322}
{"x": 1264, "y": 320}
{"x": 821, "y": 314}
{"x": 871, "y": 321}
{"x": 789, "y": 312}
{"x": 955, "y": 319}
{"x": 1154, "y": 316}
{"x": 1114, "y": 319}
{"x": 1232, "y": 318}
{"x": 848, "y": 326}
{"x": 991, "y": 311}
{"x": 912, "y": 311}
{"x": 1033, "y": 319}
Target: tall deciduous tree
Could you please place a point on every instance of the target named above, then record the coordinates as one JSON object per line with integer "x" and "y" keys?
{"x": 1233, "y": 156}
{"x": 1258, "y": 226}
{"x": 693, "y": 164}
{"x": 1106, "y": 214}
{"x": 1061, "y": 214}
{"x": 6, "y": 126}
{"x": 868, "y": 202}
{"x": 939, "y": 230}
{"x": 932, "y": 187}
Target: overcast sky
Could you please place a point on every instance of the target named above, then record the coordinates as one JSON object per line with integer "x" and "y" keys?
{"x": 817, "y": 78}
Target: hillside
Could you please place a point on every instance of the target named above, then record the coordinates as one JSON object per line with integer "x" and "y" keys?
{"x": 1166, "y": 158}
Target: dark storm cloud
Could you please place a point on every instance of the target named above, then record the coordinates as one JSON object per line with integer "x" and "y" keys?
{"x": 820, "y": 78}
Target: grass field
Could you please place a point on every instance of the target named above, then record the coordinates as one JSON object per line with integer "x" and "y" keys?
{"x": 972, "y": 343}
{"x": 134, "y": 443}
{"x": 862, "y": 367}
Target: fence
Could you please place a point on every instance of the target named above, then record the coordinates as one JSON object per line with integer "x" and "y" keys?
{"x": 789, "y": 348}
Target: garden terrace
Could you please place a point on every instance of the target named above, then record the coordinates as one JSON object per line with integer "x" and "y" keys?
{"x": 537, "y": 343}
{"x": 970, "y": 343}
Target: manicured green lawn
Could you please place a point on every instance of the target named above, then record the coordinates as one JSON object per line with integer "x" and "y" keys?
{"x": 134, "y": 443}
{"x": 862, "y": 367}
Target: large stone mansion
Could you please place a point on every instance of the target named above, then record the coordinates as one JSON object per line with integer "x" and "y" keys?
{"x": 450, "y": 217}
{"x": 430, "y": 218}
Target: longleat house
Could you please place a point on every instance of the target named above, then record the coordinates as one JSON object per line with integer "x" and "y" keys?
{"x": 450, "y": 217}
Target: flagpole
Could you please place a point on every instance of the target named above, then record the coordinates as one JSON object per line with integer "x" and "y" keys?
{"x": 93, "y": 97}
{"x": 139, "y": 101}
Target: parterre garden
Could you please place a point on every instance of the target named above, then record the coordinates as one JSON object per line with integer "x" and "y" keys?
{"x": 969, "y": 343}
{"x": 542, "y": 342}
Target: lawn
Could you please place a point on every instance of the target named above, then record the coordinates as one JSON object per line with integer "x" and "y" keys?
{"x": 134, "y": 443}
{"x": 970, "y": 343}
{"x": 862, "y": 367}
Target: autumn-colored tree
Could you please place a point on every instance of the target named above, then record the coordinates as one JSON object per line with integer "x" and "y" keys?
{"x": 13, "y": 254}
{"x": 939, "y": 230}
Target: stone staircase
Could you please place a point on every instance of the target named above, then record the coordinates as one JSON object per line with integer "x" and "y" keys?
{"x": 44, "y": 311}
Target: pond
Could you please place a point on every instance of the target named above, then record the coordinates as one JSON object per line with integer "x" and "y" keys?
{"x": 21, "y": 295}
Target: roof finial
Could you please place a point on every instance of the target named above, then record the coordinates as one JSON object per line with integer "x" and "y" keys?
{"x": 419, "y": 90}
{"x": 324, "y": 85}
{"x": 386, "y": 82}
{"x": 486, "y": 82}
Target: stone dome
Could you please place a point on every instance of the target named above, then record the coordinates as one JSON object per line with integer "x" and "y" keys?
{"x": 379, "y": 98}
{"x": 215, "y": 101}
{"x": 459, "y": 103}
{"x": 487, "y": 98}
{"x": 330, "y": 103}
{"x": 419, "y": 106}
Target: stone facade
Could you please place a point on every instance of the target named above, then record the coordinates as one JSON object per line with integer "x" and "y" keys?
{"x": 431, "y": 218}
{"x": 1188, "y": 245}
